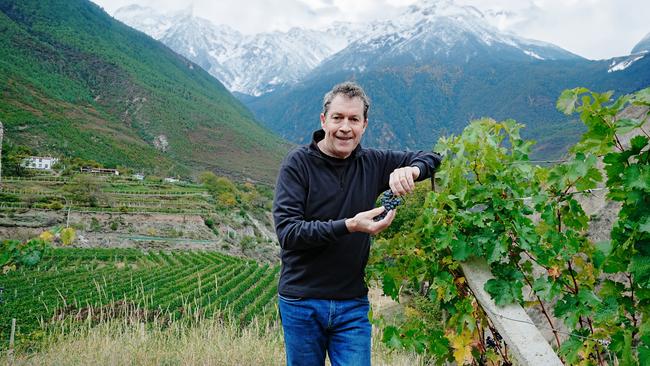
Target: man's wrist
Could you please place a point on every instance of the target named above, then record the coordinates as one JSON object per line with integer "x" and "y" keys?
{"x": 351, "y": 224}
{"x": 418, "y": 170}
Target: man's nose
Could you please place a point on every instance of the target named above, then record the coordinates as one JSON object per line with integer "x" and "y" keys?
{"x": 346, "y": 125}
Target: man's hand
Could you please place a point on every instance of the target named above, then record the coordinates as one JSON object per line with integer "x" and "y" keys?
{"x": 363, "y": 221}
{"x": 402, "y": 180}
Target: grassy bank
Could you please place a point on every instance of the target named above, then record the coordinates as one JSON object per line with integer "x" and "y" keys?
{"x": 207, "y": 342}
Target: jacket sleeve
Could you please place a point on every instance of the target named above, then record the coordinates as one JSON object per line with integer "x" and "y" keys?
{"x": 427, "y": 162}
{"x": 294, "y": 232}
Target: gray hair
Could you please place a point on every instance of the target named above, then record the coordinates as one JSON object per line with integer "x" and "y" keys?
{"x": 350, "y": 90}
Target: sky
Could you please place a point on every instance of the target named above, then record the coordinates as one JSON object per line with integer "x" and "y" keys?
{"x": 595, "y": 29}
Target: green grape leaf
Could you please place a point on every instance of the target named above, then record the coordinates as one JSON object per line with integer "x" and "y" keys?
{"x": 634, "y": 177}
{"x": 460, "y": 250}
{"x": 611, "y": 289}
{"x": 645, "y": 225}
{"x": 570, "y": 350}
{"x": 643, "y": 294}
{"x": 503, "y": 292}
{"x": 627, "y": 359}
{"x": 10, "y": 245}
{"x": 567, "y": 308}
{"x": 588, "y": 298}
{"x": 607, "y": 311}
{"x": 495, "y": 249}
{"x": 603, "y": 248}
{"x": 567, "y": 101}
{"x": 626, "y": 125}
{"x": 390, "y": 287}
{"x": 439, "y": 344}
{"x": 391, "y": 337}
{"x": 444, "y": 286}
{"x": 547, "y": 289}
{"x": 640, "y": 267}
{"x": 644, "y": 355}
{"x": 638, "y": 143}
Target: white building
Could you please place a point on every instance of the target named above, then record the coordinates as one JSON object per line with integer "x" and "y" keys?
{"x": 39, "y": 162}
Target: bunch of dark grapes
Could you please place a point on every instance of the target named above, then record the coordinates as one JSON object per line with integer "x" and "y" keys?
{"x": 494, "y": 343}
{"x": 490, "y": 343}
{"x": 390, "y": 202}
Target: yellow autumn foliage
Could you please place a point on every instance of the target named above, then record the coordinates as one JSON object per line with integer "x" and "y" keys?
{"x": 462, "y": 345}
{"x": 46, "y": 236}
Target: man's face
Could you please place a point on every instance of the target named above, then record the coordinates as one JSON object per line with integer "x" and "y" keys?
{"x": 344, "y": 125}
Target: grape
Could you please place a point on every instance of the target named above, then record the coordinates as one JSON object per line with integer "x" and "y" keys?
{"x": 389, "y": 201}
{"x": 497, "y": 336}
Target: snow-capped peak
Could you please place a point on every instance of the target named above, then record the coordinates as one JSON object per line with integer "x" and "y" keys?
{"x": 255, "y": 64}
{"x": 250, "y": 64}
{"x": 442, "y": 30}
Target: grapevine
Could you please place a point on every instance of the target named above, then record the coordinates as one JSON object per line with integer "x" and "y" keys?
{"x": 529, "y": 224}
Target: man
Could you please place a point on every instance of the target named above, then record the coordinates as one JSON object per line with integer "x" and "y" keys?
{"x": 323, "y": 213}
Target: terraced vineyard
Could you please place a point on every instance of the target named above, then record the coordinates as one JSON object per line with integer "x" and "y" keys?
{"x": 117, "y": 195}
{"x": 71, "y": 283}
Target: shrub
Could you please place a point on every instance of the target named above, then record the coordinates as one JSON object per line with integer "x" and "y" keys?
{"x": 68, "y": 236}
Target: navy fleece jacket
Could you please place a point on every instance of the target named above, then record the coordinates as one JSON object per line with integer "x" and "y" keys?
{"x": 315, "y": 194}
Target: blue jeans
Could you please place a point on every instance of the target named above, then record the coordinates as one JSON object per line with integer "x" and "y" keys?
{"x": 338, "y": 327}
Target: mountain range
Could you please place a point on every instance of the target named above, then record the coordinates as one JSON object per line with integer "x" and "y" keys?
{"x": 248, "y": 64}
{"x": 75, "y": 82}
{"x": 428, "y": 71}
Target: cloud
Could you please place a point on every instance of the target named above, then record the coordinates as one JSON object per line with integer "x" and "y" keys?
{"x": 590, "y": 28}
{"x": 594, "y": 29}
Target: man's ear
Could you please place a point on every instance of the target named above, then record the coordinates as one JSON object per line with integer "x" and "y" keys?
{"x": 322, "y": 120}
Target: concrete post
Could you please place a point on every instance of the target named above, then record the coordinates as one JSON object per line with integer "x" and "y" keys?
{"x": 524, "y": 340}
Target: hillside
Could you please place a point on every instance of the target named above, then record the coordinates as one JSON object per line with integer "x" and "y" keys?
{"x": 413, "y": 105}
{"x": 123, "y": 213}
{"x": 76, "y": 82}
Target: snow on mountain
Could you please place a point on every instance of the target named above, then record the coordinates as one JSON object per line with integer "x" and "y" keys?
{"x": 441, "y": 30}
{"x": 249, "y": 64}
{"x": 263, "y": 61}
{"x": 622, "y": 63}
{"x": 257, "y": 64}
